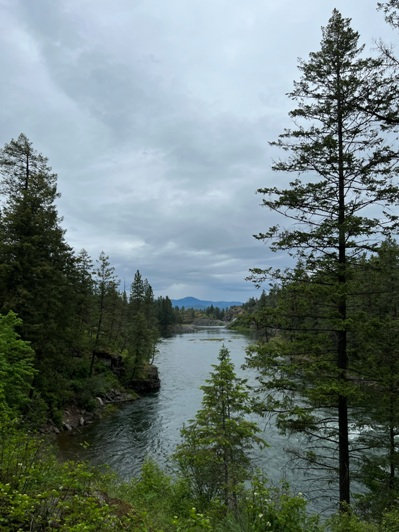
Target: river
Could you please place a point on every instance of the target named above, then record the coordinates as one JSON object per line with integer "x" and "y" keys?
{"x": 150, "y": 426}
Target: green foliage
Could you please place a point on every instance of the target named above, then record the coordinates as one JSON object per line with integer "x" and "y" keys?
{"x": 39, "y": 493}
{"x": 16, "y": 367}
{"x": 165, "y": 315}
{"x": 214, "y": 453}
{"x": 257, "y": 316}
{"x": 163, "y": 503}
{"x": 84, "y": 390}
{"x": 390, "y": 521}
{"x": 374, "y": 342}
{"x": 142, "y": 327}
{"x": 70, "y": 312}
{"x": 343, "y": 167}
{"x": 157, "y": 498}
{"x": 105, "y": 286}
{"x": 347, "y": 522}
{"x": 298, "y": 366}
{"x": 36, "y": 263}
{"x": 275, "y": 508}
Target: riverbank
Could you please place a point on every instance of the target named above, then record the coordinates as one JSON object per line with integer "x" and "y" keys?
{"x": 74, "y": 416}
{"x": 186, "y": 328}
{"x": 150, "y": 426}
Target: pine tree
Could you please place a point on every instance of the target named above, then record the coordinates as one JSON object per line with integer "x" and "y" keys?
{"x": 85, "y": 299}
{"x": 375, "y": 334}
{"x": 137, "y": 293}
{"x": 382, "y": 103}
{"x": 142, "y": 329}
{"x": 105, "y": 288}
{"x": 37, "y": 267}
{"x": 215, "y": 452}
{"x": 339, "y": 206}
{"x": 166, "y": 316}
{"x": 391, "y": 11}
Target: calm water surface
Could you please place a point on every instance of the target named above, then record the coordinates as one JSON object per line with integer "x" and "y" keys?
{"x": 150, "y": 427}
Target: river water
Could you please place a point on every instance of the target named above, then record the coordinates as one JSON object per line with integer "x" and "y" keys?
{"x": 150, "y": 426}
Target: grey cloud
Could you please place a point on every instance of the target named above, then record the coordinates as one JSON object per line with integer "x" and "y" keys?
{"x": 156, "y": 116}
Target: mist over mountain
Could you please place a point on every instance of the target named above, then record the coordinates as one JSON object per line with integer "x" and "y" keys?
{"x": 200, "y": 304}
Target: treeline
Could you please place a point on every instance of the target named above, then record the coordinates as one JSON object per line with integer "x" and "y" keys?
{"x": 69, "y": 309}
{"x": 189, "y": 315}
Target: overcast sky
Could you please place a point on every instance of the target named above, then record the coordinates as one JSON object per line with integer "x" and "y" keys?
{"x": 156, "y": 116}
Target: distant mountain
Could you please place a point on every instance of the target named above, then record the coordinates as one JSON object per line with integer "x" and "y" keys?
{"x": 200, "y": 304}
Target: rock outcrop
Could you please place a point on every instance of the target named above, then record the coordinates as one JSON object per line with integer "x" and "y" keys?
{"x": 149, "y": 382}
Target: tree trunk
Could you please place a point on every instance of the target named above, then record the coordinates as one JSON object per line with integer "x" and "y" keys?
{"x": 343, "y": 438}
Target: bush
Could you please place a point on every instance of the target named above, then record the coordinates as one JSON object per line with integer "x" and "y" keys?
{"x": 16, "y": 366}
{"x": 39, "y": 493}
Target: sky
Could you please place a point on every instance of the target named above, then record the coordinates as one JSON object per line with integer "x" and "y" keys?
{"x": 156, "y": 116}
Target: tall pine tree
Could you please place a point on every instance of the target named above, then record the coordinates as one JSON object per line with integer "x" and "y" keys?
{"x": 143, "y": 333}
{"x": 36, "y": 264}
{"x": 339, "y": 206}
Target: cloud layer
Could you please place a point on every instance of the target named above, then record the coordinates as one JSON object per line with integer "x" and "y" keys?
{"x": 156, "y": 117}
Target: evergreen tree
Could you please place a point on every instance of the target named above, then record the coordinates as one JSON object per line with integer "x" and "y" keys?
{"x": 142, "y": 330}
{"x": 137, "y": 294}
{"x": 337, "y": 209}
{"x": 375, "y": 335}
{"x": 382, "y": 103}
{"x": 150, "y": 314}
{"x": 391, "y": 11}
{"x": 214, "y": 453}
{"x": 166, "y": 316}
{"x": 85, "y": 291}
{"x": 37, "y": 267}
{"x": 122, "y": 333}
{"x": 105, "y": 288}
{"x": 16, "y": 368}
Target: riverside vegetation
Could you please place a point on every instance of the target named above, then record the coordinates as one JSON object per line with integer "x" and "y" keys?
{"x": 328, "y": 333}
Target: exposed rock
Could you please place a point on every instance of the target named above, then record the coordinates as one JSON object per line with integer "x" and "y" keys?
{"x": 148, "y": 383}
{"x": 208, "y": 322}
{"x": 118, "y": 396}
{"x": 184, "y": 328}
{"x": 121, "y": 507}
{"x": 75, "y": 417}
{"x": 115, "y": 362}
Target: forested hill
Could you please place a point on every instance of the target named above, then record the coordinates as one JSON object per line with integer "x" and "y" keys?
{"x": 200, "y": 304}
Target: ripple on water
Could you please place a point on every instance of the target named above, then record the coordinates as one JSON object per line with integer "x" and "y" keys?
{"x": 150, "y": 427}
